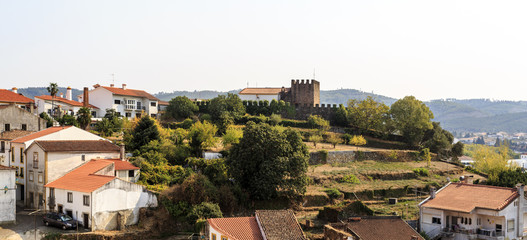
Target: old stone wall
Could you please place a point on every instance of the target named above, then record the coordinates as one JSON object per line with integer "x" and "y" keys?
{"x": 305, "y": 92}
{"x": 333, "y": 232}
{"x": 349, "y": 156}
{"x": 17, "y": 117}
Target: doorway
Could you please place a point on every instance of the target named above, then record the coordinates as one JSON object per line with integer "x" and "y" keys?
{"x": 86, "y": 220}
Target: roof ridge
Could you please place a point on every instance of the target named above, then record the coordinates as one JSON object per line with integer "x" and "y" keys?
{"x": 484, "y": 186}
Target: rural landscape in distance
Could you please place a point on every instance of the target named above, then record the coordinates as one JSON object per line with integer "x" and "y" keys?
{"x": 244, "y": 120}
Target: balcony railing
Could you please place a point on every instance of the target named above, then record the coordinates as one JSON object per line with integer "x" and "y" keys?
{"x": 475, "y": 233}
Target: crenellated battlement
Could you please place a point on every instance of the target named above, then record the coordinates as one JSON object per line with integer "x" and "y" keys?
{"x": 303, "y": 82}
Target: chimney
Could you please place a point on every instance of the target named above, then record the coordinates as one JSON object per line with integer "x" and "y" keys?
{"x": 122, "y": 152}
{"x": 68, "y": 94}
{"x": 14, "y": 89}
{"x": 85, "y": 98}
{"x": 519, "y": 187}
{"x": 432, "y": 192}
{"x": 124, "y": 86}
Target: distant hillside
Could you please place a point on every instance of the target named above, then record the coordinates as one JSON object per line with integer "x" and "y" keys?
{"x": 205, "y": 94}
{"x": 342, "y": 96}
{"x": 38, "y": 91}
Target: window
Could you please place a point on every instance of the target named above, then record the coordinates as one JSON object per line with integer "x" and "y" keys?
{"x": 130, "y": 104}
{"x": 213, "y": 237}
{"x": 40, "y": 178}
{"x": 131, "y": 173}
{"x": 52, "y": 192}
{"x": 21, "y": 155}
{"x": 86, "y": 200}
{"x": 21, "y": 172}
{"x": 478, "y": 221}
{"x": 2, "y": 147}
{"x": 224, "y": 238}
{"x": 499, "y": 228}
{"x": 35, "y": 160}
{"x": 470, "y": 221}
{"x": 153, "y": 104}
{"x": 70, "y": 197}
{"x": 24, "y": 127}
{"x": 436, "y": 220}
{"x": 93, "y": 114}
{"x": 510, "y": 225}
{"x": 31, "y": 175}
{"x": 139, "y": 105}
{"x": 13, "y": 154}
{"x": 83, "y": 157}
{"x": 7, "y": 127}
{"x": 128, "y": 114}
{"x": 117, "y": 101}
{"x": 17, "y": 171}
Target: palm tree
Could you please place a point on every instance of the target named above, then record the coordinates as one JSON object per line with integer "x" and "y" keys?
{"x": 53, "y": 89}
{"x": 84, "y": 117}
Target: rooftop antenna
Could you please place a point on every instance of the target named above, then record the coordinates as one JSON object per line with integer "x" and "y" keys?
{"x": 247, "y": 84}
{"x": 113, "y": 78}
{"x": 314, "y": 74}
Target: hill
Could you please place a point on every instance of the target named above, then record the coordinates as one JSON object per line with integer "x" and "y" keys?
{"x": 38, "y": 91}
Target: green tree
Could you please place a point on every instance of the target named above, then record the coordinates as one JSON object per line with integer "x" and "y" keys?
{"x": 357, "y": 141}
{"x": 53, "y": 89}
{"x": 84, "y": 117}
{"x": 411, "y": 118}
{"x": 425, "y": 155}
{"x": 145, "y": 131}
{"x": 269, "y": 162}
{"x": 438, "y": 140}
{"x": 341, "y": 116}
{"x": 201, "y": 136}
{"x": 491, "y": 161}
{"x": 104, "y": 127}
{"x": 368, "y": 114}
{"x": 232, "y": 136}
{"x": 181, "y": 107}
{"x": 333, "y": 139}
{"x": 315, "y": 138}
{"x": 232, "y": 104}
{"x": 49, "y": 120}
{"x": 318, "y": 122}
{"x": 457, "y": 150}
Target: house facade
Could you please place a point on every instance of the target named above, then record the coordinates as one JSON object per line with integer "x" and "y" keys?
{"x": 18, "y": 159}
{"x": 48, "y": 160}
{"x": 8, "y": 195}
{"x": 467, "y": 211}
{"x": 61, "y": 106}
{"x": 13, "y": 117}
{"x": 130, "y": 103}
{"x": 96, "y": 198}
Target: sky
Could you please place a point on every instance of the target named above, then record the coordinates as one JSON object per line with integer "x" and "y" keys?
{"x": 428, "y": 49}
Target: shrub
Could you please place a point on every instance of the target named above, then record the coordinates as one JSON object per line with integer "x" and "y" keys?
{"x": 204, "y": 210}
{"x": 323, "y": 156}
{"x": 350, "y": 178}
{"x": 205, "y": 117}
{"x": 347, "y": 138}
{"x": 275, "y": 119}
{"x": 393, "y": 155}
{"x": 334, "y": 193}
{"x": 421, "y": 172}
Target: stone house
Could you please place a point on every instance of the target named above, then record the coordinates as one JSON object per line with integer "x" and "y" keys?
{"x": 13, "y": 117}
{"x": 469, "y": 211}
{"x": 96, "y": 198}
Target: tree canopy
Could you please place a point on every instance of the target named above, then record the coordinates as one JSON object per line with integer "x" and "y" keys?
{"x": 145, "y": 131}
{"x": 181, "y": 107}
{"x": 411, "y": 118}
{"x": 84, "y": 117}
{"x": 268, "y": 162}
{"x": 368, "y": 114}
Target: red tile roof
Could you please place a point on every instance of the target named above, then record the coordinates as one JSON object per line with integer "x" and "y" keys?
{"x": 463, "y": 197}
{"x": 237, "y": 228}
{"x": 83, "y": 178}
{"x": 164, "y": 103}
{"x": 77, "y": 146}
{"x": 64, "y": 100}
{"x": 261, "y": 91}
{"x": 38, "y": 134}
{"x": 122, "y": 165}
{"x": 279, "y": 224}
{"x": 381, "y": 228}
{"x": 131, "y": 92}
{"x": 11, "y": 97}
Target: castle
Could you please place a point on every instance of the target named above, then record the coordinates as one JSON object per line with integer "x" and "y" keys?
{"x": 301, "y": 93}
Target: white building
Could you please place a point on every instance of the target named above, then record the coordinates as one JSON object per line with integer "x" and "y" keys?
{"x": 67, "y": 105}
{"x": 466, "y": 211}
{"x": 48, "y": 160}
{"x": 129, "y": 103}
{"x": 92, "y": 195}
{"x": 18, "y": 159}
{"x": 261, "y": 94}
{"x": 8, "y": 195}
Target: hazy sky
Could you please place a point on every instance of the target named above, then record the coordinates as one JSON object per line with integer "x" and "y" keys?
{"x": 429, "y": 49}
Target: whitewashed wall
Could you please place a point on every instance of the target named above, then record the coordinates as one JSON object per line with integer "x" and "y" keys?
{"x": 7, "y": 200}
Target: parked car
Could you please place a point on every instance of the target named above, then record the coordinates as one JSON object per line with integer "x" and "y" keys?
{"x": 59, "y": 220}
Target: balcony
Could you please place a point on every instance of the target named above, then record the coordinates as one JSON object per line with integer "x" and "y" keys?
{"x": 487, "y": 234}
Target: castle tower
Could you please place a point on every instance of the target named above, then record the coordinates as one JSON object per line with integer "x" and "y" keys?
{"x": 305, "y": 92}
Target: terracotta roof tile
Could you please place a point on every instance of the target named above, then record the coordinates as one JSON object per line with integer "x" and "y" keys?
{"x": 83, "y": 178}
{"x": 279, "y": 225}
{"x": 64, "y": 100}
{"x": 77, "y": 146}
{"x": 261, "y": 91}
{"x": 237, "y": 228}
{"x": 164, "y": 103}
{"x": 13, "y": 134}
{"x": 381, "y": 228}
{"x": 11, "y": 97}
{"x": 39, "y": 134}
{"x": 122, "y": 165}
{"x": 131, "y": 92}
{"x": 466, "y": 197}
